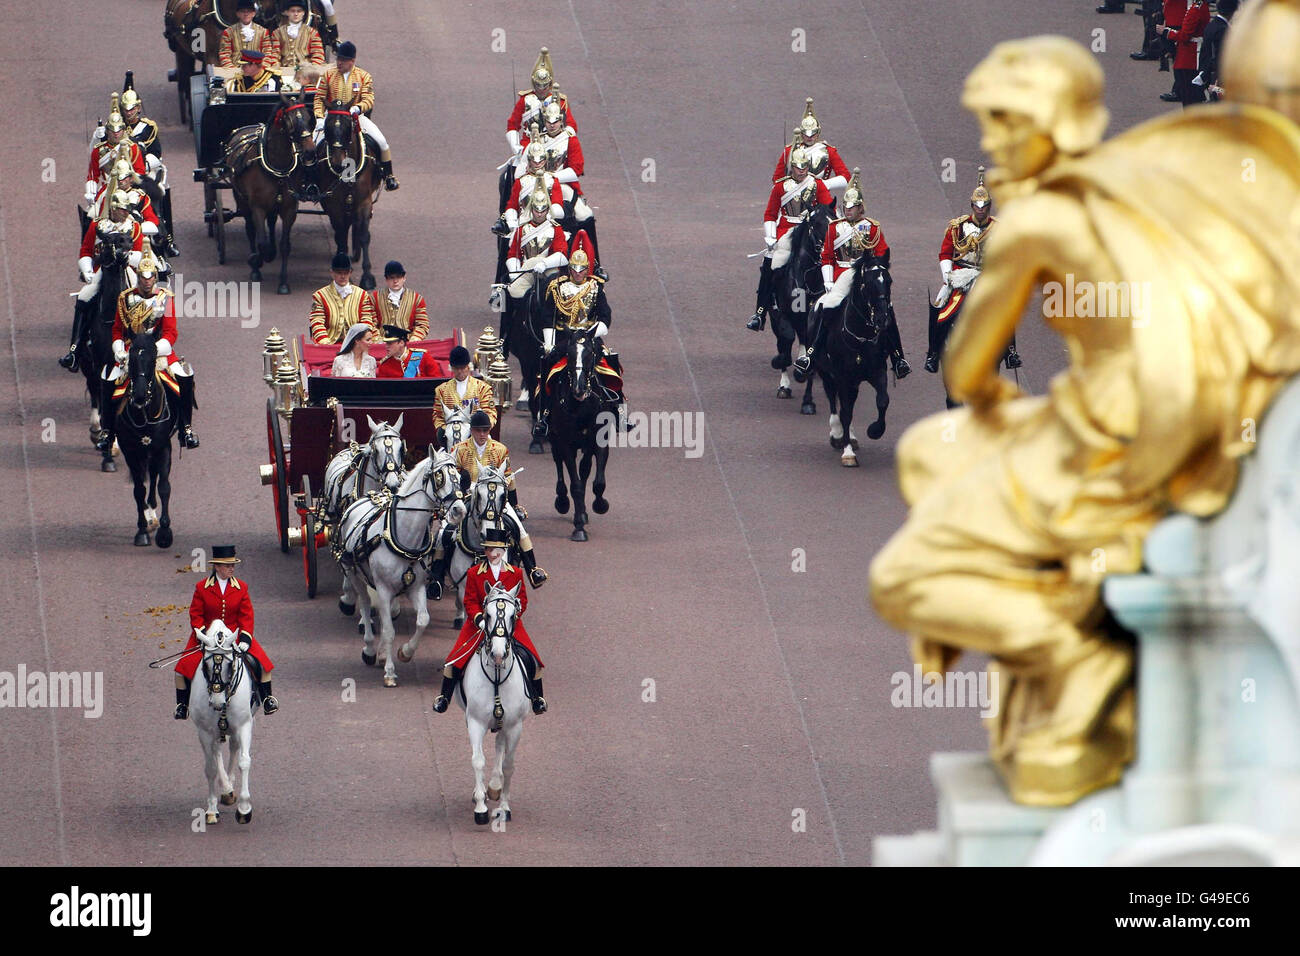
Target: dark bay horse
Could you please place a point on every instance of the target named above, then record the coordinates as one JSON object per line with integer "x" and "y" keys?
{"x": 523, "y": 326}
{"x": 146, "y": 420}
{"x": 856, "y": 351}
{"x": 113, "y": 253}
{"x": 796, "y": 286}
{"x": 268, "y": 163}
{"x": 348, "y": 177}
{"x": 580, "y": 434}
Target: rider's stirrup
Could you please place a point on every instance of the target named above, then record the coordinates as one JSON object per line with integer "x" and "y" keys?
{"x": 188, "y": 438}
{"x": 901, "y": 368}
{"x": 69, "y": 361}
{"x": 539, "y": 705}
{"x": 1013, "y": 359}
{"x": 757, "y": 321}
{"x": 182, "y": 711}
{"x": 931, "y": 362}
{"x": 270, "y": 705}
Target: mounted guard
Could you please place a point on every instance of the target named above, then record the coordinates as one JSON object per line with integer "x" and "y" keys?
{"x": 823, "y": 159}
{"x": 144, "y": 132}
{"x": 961, "y": 258}
{"x": 528, "y": 106}
{"x": 345, "y": 85}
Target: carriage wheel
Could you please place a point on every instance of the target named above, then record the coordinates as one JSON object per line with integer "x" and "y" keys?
{"x": 275, "y": 440}
{"x": 219, "y": 224}
{"x": 309, "y": 553}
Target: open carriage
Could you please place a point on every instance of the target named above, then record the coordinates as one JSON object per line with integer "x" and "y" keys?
{"x": 312, "y": 415}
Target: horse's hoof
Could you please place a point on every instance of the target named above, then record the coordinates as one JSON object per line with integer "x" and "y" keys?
{"x": 283, "y": 289}
{"x": 141, "y": 540}
{"x": 535, "y": 447}
{"x": 874, "y": 431}
{"x": 837, "y": 443}
{"x": 481, "y": 818}
{"x": 808, "y": 408}
{"x": 403, "y": 655}
{"x": 850, "y": 462}
{"x": 255, "y": 276}
{"x": 578, "y": 535}
{"x": 783, "y": 391}
{"x": 163, "y": 538}
{"x": 212, "y": 819}
{"x": 347, "y": 610}
{"x": 243, "y": 817}
{"x": 108, "y": 465}
{"x": 600, "y": 506}
{"x": 506, "y": 814}
{"x": 368, "y": 282}
{"x": 853, "y": 443}
{"x": 562, "y": 504}
{"x": 522, "y": 405}
{"x": 228, "y": 799}
{"x": 390, "y": 681}
{"x": 494, "y": 794}
{"x": 457, "y": 624}
{"x": 368, "y": 658}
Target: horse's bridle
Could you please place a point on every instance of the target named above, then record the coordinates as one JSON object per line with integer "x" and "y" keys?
{"x": 218, "y": 684}
{"x": 279, "y": 120}
{"x": 485, "y": 649}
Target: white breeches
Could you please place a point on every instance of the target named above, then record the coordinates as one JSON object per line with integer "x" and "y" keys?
{"x": 327, "y": 7}
{"x": 581, "y": 211}
{"x": 838, "y": 291}
{"x": 781, "y": 254}
{"x": 90, "y": 288}
{"x": 519, "y": 287}
{"x": 368, "y": 127}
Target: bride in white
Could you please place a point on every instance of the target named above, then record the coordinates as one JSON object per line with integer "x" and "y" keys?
{"x": 354, "y": 359}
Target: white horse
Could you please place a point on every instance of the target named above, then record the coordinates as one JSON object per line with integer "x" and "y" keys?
{"x": 221, "y": 706}
{"x": 385, "y": 540}
{"x": 486, "y": 507}
{"x": 355, "y": 472}
{"x": 495, "y": 698}
{"x": 456, "y": 428}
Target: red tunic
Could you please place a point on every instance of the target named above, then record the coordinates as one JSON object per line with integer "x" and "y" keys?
{"x": 559, "y": 242}
{"x": 476, "y": 585}
{"x": 834, "y": 165}
{"x": 517, "y": 114}
{"x": 92, "y": 236}
{"x": 98, "y": 173}
{"x": 166, "y": 329}
{"x": 774, "y": 204}
{"x": 1186, "y": 33}
{"x": 516, "y": 199}
{"x": 234, "y": 608}
{"x": 430, "y": 367}
{"x": 876, "y": 235}
{"x": 572, "y": 155}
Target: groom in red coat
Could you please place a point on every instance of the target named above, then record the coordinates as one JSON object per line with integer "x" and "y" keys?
{"x": 492, "y": 571}
{"x": 223, "y": 597}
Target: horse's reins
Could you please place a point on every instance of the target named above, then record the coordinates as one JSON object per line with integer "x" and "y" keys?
{"x": 217, "y": 686}
{"x": 485, "y": 651}
{"x": 278, "y": 120}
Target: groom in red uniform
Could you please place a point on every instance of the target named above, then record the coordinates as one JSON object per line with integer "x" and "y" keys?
{"x": 222, "y": 596}
{"x": 492, "y": 571}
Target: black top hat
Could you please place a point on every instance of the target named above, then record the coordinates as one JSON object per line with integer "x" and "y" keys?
{"x": 347, "y": 50}
{"x": 480, "y": 420}
{"x": 395, "y": 333}
{"x": 495, "y": 538}
{"x": 223, "y": 554}
{"x": 340, "y": 262}
{"x": 459, "y": 357}
{"x": 394, "y": 268}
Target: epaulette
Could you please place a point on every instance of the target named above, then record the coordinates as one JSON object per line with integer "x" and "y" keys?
{"x": 952, "y": 223}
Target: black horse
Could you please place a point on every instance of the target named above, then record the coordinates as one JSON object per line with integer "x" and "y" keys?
{"x": 523, "y": 325}
{"x": 578, "y": 429}
{"x": 94, "y": 325}
{"x": 796, "y": 286}
{"x": 146, "y": 420}
{"x": 857, "y": 348}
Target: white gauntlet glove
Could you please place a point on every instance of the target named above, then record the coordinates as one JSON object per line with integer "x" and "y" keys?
{"x": 90, "y": 190}
{"x": 828, "y": 276}
{"x": 769, "y": 234}
{"x": 119, "y": 351}
{"x": 601, "y": 330}
{"x": 86, "y": 267}
{"x": 164, "y": 348}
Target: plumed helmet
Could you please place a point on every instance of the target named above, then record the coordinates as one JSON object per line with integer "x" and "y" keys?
{"x": 148, "y": 266}
{"x": 130, "y": 98}
{"x": 552, "y": 112}
{"x": 581, "y": 256}
{"x": 853, "y": 194}
{"x": 980, "y": 197}
{"x": 119, "y": 199}
{"x": 543, "y": 71}
{"x": 115, "y": 123}
{"x": 808, "y": 125}
{"x": 536, "y": 153}
{"x": 799, "y": 158}
{"x": 540, "y": 199}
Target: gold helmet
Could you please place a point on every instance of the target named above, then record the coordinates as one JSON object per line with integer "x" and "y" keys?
{"x": 552, "y": 112}
{"x": 536, "y": 153}
{"x": 543, "y": 71}
{"x": 980, "y": 197}
{"x": 1259, "y": 61}
{"x": 809, "y": 125}
{"x": 540, "y": 200}
{"x": 130, "y": 98}
{"x": 148, "y": 264}
{"x": 122, "y": 170}
{"x": 579, "y": 260}
{"x": 853, "y": 194}
{"x": 115, "y": 123}
{"x": 119, "y": 199}
{"x": 799, "y": 158}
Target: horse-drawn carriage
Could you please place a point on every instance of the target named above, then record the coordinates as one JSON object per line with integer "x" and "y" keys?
{"x": 313, "y": 416}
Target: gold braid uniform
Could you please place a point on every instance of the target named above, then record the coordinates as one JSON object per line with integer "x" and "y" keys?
{"x": 495, "y": 455}
{"x": 478, "y": 397}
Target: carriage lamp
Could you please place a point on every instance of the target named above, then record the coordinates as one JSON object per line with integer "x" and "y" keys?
{"x": 273, "y": 349}
{"x": 286, "y": 381}
{"x": 216, "y": 92}
{"x": 498, "y": 376}
{"x": 485, "y": 350}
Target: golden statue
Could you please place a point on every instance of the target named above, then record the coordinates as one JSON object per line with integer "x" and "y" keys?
{"x": 1167, "y": 262}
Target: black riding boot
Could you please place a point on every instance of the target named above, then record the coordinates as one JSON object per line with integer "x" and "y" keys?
{"x": 590, "y": 227}
{"x": 386, "y": 170}
{"x": 170, "y": 248}
{"x": 536, "y": 576}
{"x": 79, "y": 311}
{"x": 936, "y": 344}
{"x": 1012, "y": 357}
{"x": 269, "y": 704}
{"x": 816, "y": 340}
{"x": 182, "y": 702}
{"x": 438, "y": 567}
{"x": 538, "y": 398}
{"x": 107, "y": 417}
{"x": 448, "y": 688}
{"x": 185, "y": 413}
{"x": 896, "y": 359}
{"x": 759, "y": 318}
{"x": 539, "y": 702}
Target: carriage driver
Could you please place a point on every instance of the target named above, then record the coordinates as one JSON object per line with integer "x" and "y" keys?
{"x": 848, "y": 240}
{"x": 492, "y": 571}
{"x": 145, "y": 308}
{"x": 462, "y": 391}
{"x": 347, "y": 83}
{"x": 790, "y": 202}
{"x": 223, "y": 597}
